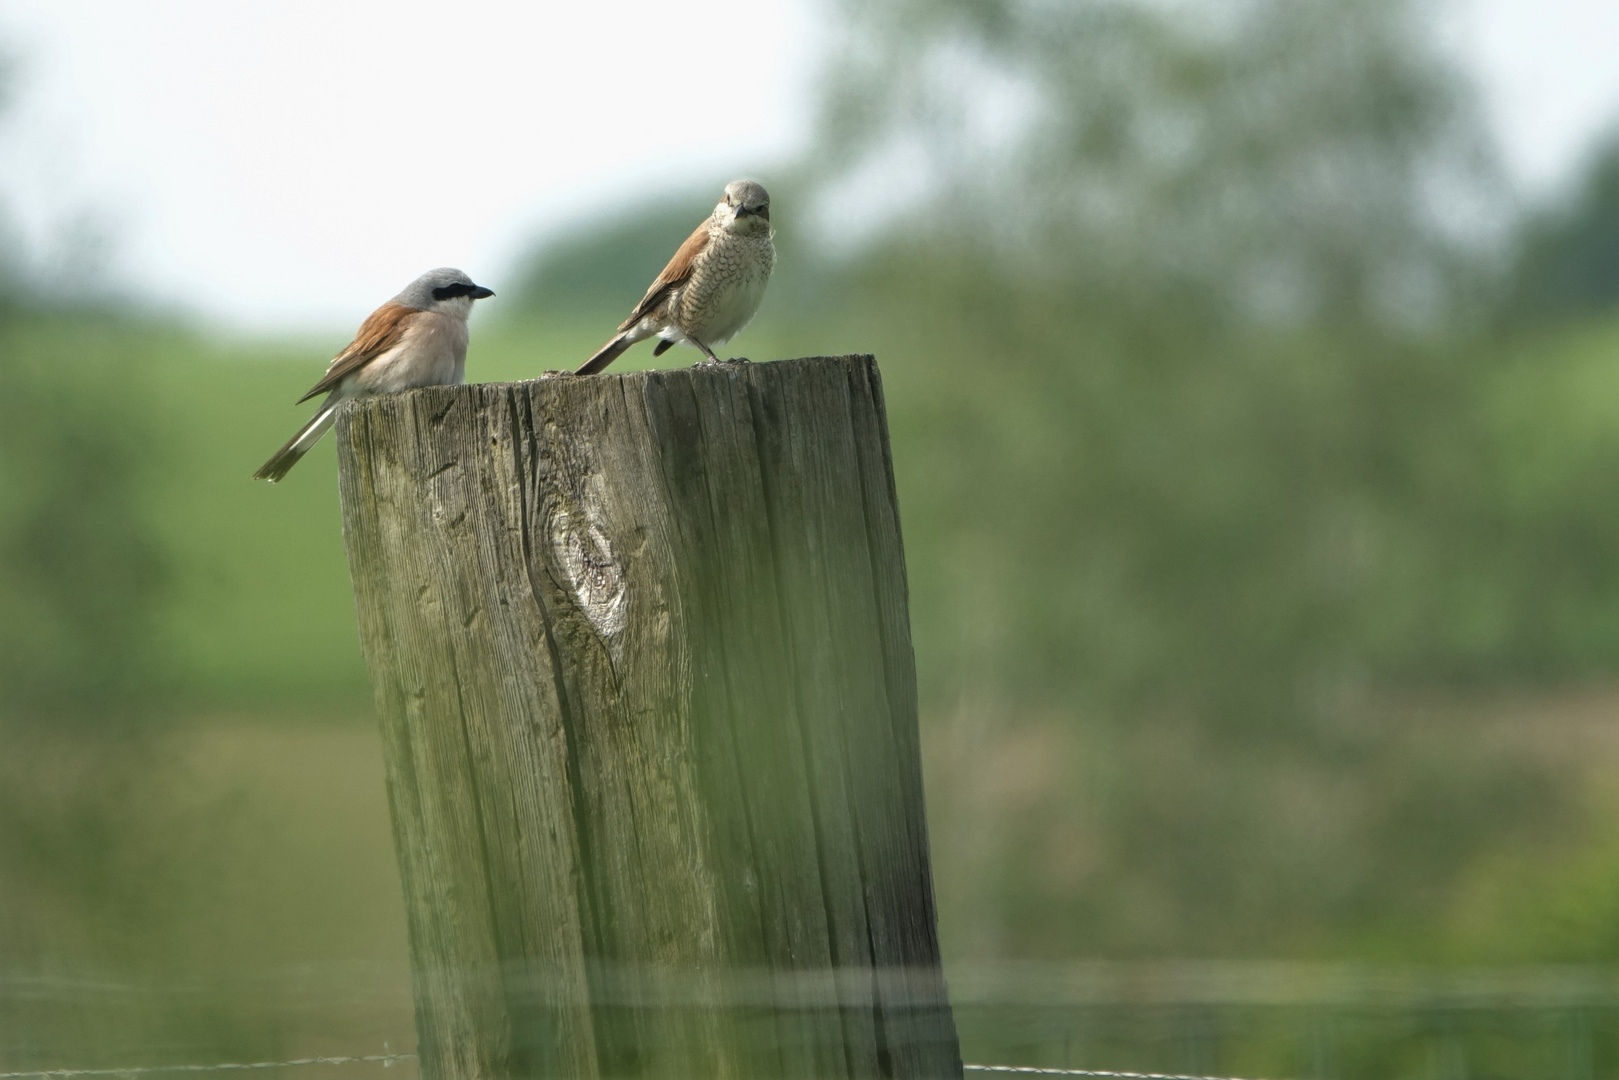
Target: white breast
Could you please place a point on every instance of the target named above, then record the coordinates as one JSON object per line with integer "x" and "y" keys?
{"x": 735, "y": 308}
{"x": 431, "y": 352}
{"x": 728, "y": 287}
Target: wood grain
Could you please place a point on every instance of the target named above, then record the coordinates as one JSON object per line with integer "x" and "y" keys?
{"x": 643, "y": 661}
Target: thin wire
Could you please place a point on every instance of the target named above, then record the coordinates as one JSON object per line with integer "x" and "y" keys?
{"x": 384, "y": 1059}
{"x": 389, "y": 1059}
{"x": 1031, "y": 1070}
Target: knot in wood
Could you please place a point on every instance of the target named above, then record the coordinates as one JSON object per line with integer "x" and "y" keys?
{"x": 586, "y": 556}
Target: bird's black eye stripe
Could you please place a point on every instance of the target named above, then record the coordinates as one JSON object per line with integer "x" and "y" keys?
{"x": 450, "y": 292}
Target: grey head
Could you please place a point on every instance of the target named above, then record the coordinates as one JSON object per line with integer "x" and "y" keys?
{"x": 444, "y": 287}
{"x": 745, "y": 201}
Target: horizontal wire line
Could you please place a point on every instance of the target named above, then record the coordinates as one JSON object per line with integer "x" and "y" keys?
{"x": 384, "y": 1059}
{"x": 389, "y": 1059}
{"x": 1031, "y": 1070}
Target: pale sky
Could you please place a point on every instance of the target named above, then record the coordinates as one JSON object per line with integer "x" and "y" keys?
{"x": 283, "y": 166}
{"x": 281, "y": 162}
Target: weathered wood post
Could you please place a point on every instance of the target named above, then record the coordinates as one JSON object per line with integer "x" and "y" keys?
{"x": 643, "y": 662}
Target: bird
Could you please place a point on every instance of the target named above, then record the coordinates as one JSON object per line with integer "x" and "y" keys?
{"x": 419, "y": 338}
{"x": 712, "y": 287}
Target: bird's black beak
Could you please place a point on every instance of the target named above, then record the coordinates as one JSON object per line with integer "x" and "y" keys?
{"x": 478, "y": 292}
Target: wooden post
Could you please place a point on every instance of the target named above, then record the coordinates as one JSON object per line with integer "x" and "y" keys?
{"x": 643, "y": 662}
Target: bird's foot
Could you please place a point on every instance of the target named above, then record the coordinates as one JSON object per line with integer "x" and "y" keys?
{"x": 553, "y": 374}
{"x": 739, "y": 360}
{"x": 704, "y": 349}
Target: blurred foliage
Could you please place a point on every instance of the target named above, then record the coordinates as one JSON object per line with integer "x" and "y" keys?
{"x": 1308, "y": 163}
{"x": 82, "y": 572}
{"x": 1568, "y": 254}
{"x": 1203, "y": 304}
{"x": 1206, "y": 460}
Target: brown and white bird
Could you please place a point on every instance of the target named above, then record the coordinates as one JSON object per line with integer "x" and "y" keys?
{"x": 419, "y": 338}
{"x": 711, "y": 288}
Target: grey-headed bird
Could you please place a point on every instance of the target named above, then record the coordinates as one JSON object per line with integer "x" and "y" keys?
{"x": 711, "y": 288}
{"x": 419, "y": 338}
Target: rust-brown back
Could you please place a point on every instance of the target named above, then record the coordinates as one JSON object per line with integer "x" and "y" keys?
{"x": 381, "y": 331}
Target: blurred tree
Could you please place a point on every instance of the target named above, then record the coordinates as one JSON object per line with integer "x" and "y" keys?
{"x": 1177, "y": 306}
{"x": 1263, "y": 157}
{"x": 1207, "y": 258}
{"x": 1568, "y": 255}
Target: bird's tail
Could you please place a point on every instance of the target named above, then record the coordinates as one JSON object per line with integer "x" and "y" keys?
{"x": 297, "y": 446}
{"x": 607, "y": 353}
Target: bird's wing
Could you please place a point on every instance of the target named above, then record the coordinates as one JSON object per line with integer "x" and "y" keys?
{"x": 674, "y": 275}
{"x": 380, "y": 332}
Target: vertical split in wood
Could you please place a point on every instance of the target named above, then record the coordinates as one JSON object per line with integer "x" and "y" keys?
{"x": 643, "y": 661}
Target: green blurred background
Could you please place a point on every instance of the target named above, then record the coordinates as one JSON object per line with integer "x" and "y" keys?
{"x": 1257, "y": 449}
